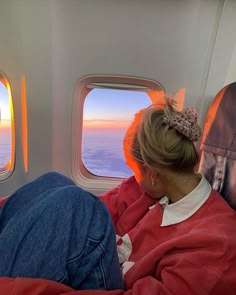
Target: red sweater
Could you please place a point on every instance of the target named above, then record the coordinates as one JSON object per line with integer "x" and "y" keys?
{"x": 188, "y": 247}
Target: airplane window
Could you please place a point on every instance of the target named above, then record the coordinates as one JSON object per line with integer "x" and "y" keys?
{"x": 6, "y": 128}
{"x": 107, "y": 115}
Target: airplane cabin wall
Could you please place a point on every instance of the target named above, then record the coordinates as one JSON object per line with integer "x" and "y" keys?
{"x": 54, "y": 43}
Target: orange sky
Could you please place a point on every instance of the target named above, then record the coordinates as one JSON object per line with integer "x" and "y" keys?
{"x": 5, "y": 124}
{"x": 106, "y": 124}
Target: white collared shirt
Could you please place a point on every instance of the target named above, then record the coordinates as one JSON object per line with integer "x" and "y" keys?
{"x": 187, "y": 206}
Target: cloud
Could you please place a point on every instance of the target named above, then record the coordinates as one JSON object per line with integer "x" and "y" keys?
{"x": 102, "y": 154}
{"x": 5, "y": 154}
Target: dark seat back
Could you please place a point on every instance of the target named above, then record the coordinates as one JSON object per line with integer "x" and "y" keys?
{"x": 218, "y": 146}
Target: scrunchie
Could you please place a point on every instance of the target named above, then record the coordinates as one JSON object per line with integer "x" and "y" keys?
{"x": 185, "y": 122}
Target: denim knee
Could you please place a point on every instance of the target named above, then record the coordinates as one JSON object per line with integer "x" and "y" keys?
{"x": 65, "y": 235}
{"x": 30, "y": 192}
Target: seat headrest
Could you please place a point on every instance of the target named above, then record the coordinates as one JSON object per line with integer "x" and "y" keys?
{"x": 218, "y": 146}
{"x": 220, "y": 125}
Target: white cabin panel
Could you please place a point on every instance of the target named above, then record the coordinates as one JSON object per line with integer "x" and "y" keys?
{"x": 54, "y": 43}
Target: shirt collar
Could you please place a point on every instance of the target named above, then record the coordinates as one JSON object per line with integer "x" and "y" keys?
{"x": 187, "y": 206}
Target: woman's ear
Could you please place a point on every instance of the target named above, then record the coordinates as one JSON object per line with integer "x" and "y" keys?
{"x": 157, "y": 174}
{"x": 153, "y": 174}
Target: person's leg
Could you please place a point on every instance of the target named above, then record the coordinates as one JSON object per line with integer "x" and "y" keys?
{"x": 65, "y": 235}
{"x": 29, "y": 192}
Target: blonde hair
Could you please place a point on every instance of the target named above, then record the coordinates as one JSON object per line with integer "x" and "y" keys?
{"x": 156, "y": 143}
{"x": 131, "y": 145}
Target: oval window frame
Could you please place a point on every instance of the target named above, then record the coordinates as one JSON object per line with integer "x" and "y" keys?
{"x": 79, "y": 172}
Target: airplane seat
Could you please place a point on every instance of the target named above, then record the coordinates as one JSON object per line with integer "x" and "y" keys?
{"x": 218, "y": 145}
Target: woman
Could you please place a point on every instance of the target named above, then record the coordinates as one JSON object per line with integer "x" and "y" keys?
{"x": 175, "y": 235}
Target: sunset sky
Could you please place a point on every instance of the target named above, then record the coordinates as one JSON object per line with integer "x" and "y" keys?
{"x": 4, "y": 105}
{"x": 104, "y": 108}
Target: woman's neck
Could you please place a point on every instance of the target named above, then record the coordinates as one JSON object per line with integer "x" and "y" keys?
{"x": 180, "y": 185}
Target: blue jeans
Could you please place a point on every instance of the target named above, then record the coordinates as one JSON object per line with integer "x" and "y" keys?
{"x": 50, "y": 228}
